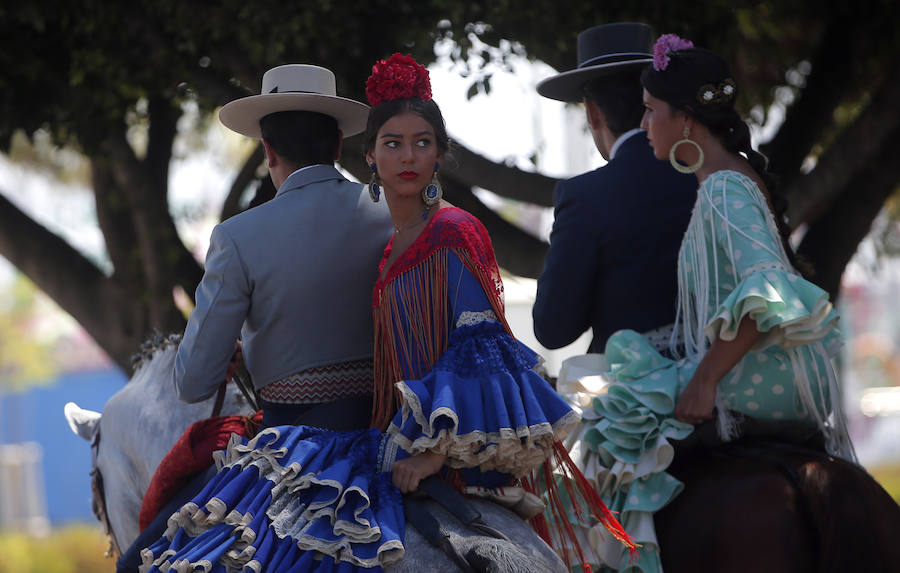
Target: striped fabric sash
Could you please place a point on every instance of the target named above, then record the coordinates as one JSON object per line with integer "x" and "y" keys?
{"x": 322, "y": 384}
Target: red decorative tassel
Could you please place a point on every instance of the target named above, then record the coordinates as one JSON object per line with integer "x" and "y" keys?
{"x": 584, "y": 500}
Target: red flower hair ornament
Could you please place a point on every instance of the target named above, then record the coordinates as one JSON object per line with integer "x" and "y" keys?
{"x": 398, "y": 77}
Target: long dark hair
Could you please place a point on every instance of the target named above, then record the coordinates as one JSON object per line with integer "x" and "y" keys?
{"x": 429, "y": 111}
{"x": 699, "y": 83}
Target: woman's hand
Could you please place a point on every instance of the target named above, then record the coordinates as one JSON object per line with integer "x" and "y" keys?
{"x": 407, "y": 473}
{"x": 698, "y": 399}
{"x": 697, "y": 402}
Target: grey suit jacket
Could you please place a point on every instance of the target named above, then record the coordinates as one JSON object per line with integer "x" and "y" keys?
{"x": 293, "y": 277}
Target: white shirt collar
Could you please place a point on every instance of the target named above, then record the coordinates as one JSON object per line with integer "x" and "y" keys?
{"x": 618, "y": 143}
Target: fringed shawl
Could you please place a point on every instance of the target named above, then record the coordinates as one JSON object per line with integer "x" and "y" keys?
{"x": 700, "y": 298}
{"x": 422, "y": 300}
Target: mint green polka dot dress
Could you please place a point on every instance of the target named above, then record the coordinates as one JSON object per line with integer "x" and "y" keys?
{"x": 732, "y": 264}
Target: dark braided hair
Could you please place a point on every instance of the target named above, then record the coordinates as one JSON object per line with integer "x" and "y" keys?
{"x": 694, "y": 81}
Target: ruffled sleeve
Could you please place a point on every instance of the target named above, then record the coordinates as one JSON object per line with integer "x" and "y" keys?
{"x": 482, "y": 404}
{"x": 790, "y": 310}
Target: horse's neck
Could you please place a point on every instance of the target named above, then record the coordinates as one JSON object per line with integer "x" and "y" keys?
{"x": 145, "y": 418}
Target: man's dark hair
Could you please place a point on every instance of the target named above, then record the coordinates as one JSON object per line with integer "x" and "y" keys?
{"x": 619, "y": 96}
{"x": 302, "y": 137}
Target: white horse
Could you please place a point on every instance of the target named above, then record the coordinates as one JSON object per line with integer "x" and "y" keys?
{"x": 139, "y": 425}
{"x": 141, "y": 422}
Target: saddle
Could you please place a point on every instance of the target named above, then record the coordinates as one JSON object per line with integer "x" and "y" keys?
{"x": 494, "y": 553}
{"x": 191, "y": 454}
{"x": 795, "y": 433}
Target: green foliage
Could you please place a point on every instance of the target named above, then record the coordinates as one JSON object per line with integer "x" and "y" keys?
{"x": 73, "y": 549}
{"x": 84, "y": 64}
{"x": 23, "y": 358}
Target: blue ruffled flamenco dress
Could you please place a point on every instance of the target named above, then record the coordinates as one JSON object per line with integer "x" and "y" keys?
{"x": 297, "y": 498}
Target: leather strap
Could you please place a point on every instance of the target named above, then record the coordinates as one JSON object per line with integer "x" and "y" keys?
{"x": 98, "y": 498}
{"x": 245, "y": 384}
{"x": 454, "y": 502}
{"x": 421, "y": 518}
{"x": 220, "y": 400}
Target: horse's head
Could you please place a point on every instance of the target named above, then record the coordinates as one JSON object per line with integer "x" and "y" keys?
{"x": 139, "y": 425}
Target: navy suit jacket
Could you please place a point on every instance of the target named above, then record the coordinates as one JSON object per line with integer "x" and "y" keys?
{"x": 614, "y": 245}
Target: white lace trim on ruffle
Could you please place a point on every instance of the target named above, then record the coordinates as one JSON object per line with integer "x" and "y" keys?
{"x": 287, "y": 480}
{"x": 515, "y": 451}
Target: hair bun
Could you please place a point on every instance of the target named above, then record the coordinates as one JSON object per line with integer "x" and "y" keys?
{"x": 398, "y": 77}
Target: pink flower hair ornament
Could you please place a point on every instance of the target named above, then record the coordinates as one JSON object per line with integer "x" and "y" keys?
{"x": 398, "y": 77}
{"x": 664, "y": 45}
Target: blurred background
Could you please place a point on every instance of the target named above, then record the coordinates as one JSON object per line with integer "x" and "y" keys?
{"x": 114, "y": 170}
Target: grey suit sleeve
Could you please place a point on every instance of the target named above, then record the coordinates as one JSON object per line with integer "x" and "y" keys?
{"x": 222, "y": 301}
{"x": 565, "y": 289}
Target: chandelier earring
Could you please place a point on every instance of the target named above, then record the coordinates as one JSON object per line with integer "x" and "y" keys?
{"x": 686, "y": 168}
{"x": 432, "y": 193}
{"x": 374, "y": 184}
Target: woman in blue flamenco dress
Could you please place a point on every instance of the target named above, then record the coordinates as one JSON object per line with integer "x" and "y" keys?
{"x": 454, "y": 394}
{"x": 756, "y": 338}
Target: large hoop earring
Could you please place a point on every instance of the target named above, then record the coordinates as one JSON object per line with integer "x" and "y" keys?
{"x": 432, "y": 193}
{"x": 374, "y": 184}
{"x": 686, "y": 168}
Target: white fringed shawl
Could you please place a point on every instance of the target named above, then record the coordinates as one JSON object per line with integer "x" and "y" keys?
{"x": 698, "y": 325}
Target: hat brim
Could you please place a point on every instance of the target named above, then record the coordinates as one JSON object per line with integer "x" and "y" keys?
{"x": 243, "y": 115}
{"x": 567, "y": 85}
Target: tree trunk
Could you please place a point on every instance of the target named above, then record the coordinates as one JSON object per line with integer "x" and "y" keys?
{"x": 833, "y": 238}
{"x": 102, "y": 305}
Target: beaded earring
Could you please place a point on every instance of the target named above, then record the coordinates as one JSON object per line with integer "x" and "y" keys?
{"x": 432, "y": 193}
{"x": 374, "y": 184}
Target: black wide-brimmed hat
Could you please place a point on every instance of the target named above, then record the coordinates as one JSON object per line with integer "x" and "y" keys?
{"x": 602, "y": 50}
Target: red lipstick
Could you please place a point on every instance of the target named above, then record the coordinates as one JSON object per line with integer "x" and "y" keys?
{"x": 407, "y": 175}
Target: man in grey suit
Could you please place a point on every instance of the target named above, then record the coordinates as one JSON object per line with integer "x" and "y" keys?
{"x": 293, "y": 277}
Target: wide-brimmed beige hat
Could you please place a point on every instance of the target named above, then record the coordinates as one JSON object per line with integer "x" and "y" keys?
{"x": 294, "y": 87}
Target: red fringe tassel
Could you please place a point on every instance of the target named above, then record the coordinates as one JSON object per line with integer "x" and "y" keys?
{"x": 586, "y": 503}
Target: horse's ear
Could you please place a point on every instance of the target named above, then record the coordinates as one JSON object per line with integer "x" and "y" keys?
{"x": 83, "y": 422}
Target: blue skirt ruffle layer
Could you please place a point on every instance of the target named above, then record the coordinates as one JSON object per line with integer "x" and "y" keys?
{"x": 289, "y": 490}
{"x": 483, "y": 405}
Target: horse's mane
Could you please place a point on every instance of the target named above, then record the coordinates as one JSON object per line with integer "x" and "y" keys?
{"x": 154, "y": 343}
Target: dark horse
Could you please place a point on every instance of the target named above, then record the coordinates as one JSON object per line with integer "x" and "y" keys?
{"x": 763, "y": 506}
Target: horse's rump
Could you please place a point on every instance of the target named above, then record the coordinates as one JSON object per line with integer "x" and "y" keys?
{"x": 761, "y": 506}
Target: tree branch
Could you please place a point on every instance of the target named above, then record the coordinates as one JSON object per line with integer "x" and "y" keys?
{"x": 75, "y": 283}
{"x": 833, "y": 238}
{"x": 809, "y": 116}
{"x": 476, "y": 170}
{"x": 114, "y": 218}
{"x": 247, "y": 174}
{"x": 856, "y": 147}
{"x": 517, "y": 251}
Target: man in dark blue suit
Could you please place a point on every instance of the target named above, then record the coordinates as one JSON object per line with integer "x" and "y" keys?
{"x": 617, "y": 229}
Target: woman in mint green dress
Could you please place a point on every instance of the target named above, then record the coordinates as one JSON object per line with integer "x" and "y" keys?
{"x": 755, "y": 338}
